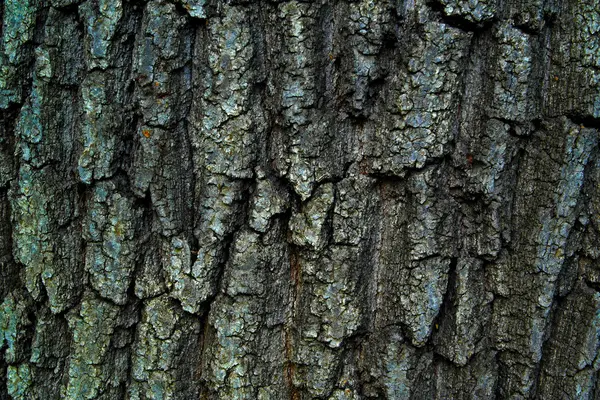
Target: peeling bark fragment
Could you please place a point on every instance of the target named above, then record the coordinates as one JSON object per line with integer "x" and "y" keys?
{"x": 573, "y": 79}
{"x": 159, "y": 51}
{"x": 245, "y": 348}
{"x": 308, "y": 226}
{"x": 195, "y": 8}
{"x": 397, "y": 370}
{"x": 333, "y": 297}
{"x": 94, "y": 367}
{"x": 542, "y": 250}
{"x": 422, "y": 298}
{"x": 165, "y": 346}
{"x": 101, "y": 19}
{"x": 36, "y": 244}
{"x": 13, "y": 321}
{"x": 232, "y": 363}
{"x": 476, "y": 380}
{"x": 179, "y": 279}
{"x": 420, "y": 103}
{"x": 101, "y": 100}
{"x": 477, "y": 11}
{"x": 551, "y": 251}
{"x": 589, "y": 268}
{"x": 512, "y": 75}
{"x": 267, "y": 201}
{"x": 298, "y": 94}
{"x": 99, "y": 123}
{"x": 162, "y": 74}
{"x": 19, "y": 381}
{"x": 226, "y": 134}
{"x": 403, "y": 365}
{"x": 42, "y": 217}
{"x": 14, "y": 324}
{"x": 31, "y": 241}
{"x": 492, "y": 154}
{"x": 49, "y": 355}
{"x": 220, "y": 209}
{"x": 316, "y": 368}
{"x": 571, "y": 364}
{"x": 247, "y": 277}
{"x": 529, "y": 14}
{"x": 17, "y": 29}
{"x": 462, "y": 328}
{"x": 352, "y": 210}
{"x": 415, "y": 255}
{"x": 223, "y": 140}
{"x": 331, "y": 308}
{"x": 110, "y": 254}
{"x": 369, "y": 22}
{"x": 149, "y": 279}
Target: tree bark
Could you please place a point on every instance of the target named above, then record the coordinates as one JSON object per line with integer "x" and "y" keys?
{"x": 299, "y": 199}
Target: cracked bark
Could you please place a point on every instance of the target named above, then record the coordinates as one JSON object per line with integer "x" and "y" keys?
{"x": 299, "y": 199}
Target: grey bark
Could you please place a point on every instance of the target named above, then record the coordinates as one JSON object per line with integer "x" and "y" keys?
{"x": 299, "y": 199}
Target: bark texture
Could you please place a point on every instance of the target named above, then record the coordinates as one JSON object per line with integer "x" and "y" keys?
{"x": 391, "y": 199}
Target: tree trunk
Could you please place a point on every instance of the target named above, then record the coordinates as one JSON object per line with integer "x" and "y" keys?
{"x": 370, "y": 199}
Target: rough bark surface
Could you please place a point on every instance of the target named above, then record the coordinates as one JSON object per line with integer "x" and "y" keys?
{"x": 391, "y": 199}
